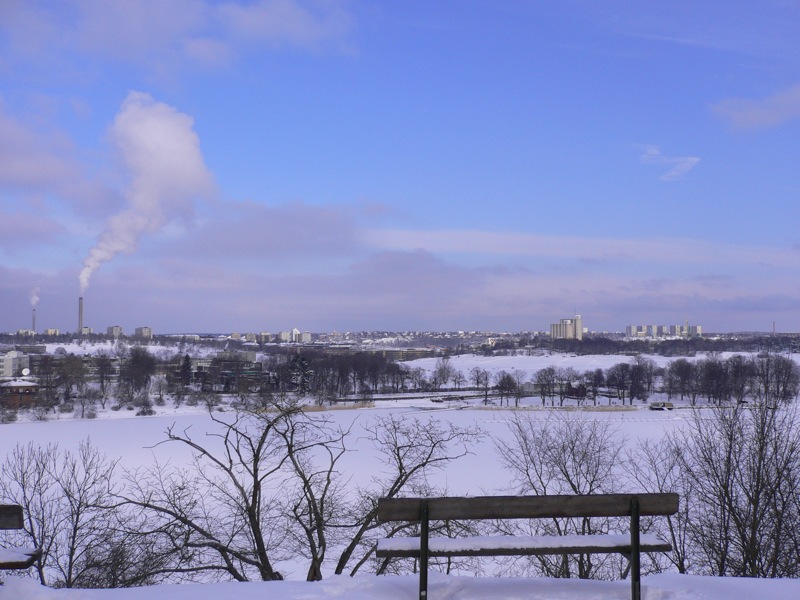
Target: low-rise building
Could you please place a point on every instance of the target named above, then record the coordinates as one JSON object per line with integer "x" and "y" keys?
{"x": 662, "y": 331}
{"x": 18, "y": 393}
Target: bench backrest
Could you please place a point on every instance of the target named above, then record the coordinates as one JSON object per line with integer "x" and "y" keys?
{"x": 11, "y": 516}
{"x": 526, "y": 507}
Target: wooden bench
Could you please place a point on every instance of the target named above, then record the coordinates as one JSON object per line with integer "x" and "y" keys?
{"x": 424, "y": 510}
{"x": 18, "y": 558}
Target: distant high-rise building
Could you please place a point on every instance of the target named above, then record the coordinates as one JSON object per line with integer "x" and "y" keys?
{"x": 114, "y": 331}
{"x": 144, "y": 333}
{"x": 294, "y": 336}
{"x": 567, "y": 329}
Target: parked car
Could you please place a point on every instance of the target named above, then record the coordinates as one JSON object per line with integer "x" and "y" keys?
{"x": 661, "y": 406}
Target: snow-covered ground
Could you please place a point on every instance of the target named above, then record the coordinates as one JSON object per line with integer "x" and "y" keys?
{"x": 134, "y": 440}
{"x": 441, "y": 587}
{"x": 541, "y": 360}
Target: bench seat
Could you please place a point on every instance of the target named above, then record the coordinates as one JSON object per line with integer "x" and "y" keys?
{"x": 513, "y": 545}
{"x": 476, "y": 508}
{"x": 18, "y": 558}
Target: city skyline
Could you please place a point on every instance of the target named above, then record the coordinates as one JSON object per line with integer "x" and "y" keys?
{"x": 239, "y": 165}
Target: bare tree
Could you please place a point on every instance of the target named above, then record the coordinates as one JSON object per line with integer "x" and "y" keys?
{"x": 71, "y": 375}
{"x": 409, "y": 449}
{"x": 505, "y": 384}
{"x": 713, "y": 378}
{"x": 563, "y": 454}
{"x": 263, "y": 488}
{"x": 744, "y": 463}
{"x": 458, "y": 379}
{"x": 519, "y": 376}
{"x": 776, "y": 378}
{"x": 480, "y": 379}
{"x": 26, "y": 478}
{"x": 47, "y": 374}
{"x": 105, "y": 368}
{"x": 545, "y": 380}
{"x": 87, "y": 399}
{"x": 417, "y": 377}
{"x": 660, "y": 467}
{"x": 619, "y": 378}
{"x": 316, "y": 497}
{"x": 138, "y": 368}
{"x": 595, "y": 380}
{"x": 682, "y": 379}
{"x": 740, "y": 374}
{"x": 67, "y": 499}
{"x": 442, "y": 373}
{"x": 563, "y": 382}
{"x": 641, "y": 378}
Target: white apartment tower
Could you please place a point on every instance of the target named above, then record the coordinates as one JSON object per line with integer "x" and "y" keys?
{"x": 567, "y": 329}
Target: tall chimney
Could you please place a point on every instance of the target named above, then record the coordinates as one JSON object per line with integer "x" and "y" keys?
{"x": 34, "y": 320}
{"x": 80, "y": 315}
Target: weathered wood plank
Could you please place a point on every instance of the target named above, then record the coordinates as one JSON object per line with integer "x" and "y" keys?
{"x": 518, "y": 546}
{"x": 526, "y": 507}
{"x": 11, "y": 560}
{"x": 10, "y": 516}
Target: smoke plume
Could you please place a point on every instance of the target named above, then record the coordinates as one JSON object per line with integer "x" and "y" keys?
{"x": 35, "y": 296}
{"x": 162, "y": 154}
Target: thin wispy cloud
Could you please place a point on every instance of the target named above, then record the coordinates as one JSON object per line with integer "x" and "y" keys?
{"x": 600, "y": 249}
{"x": 290, "y": 22}
{"x": 677, "y": 166}
{"x": 165, "y": 37}
{"x": 779, "y": 108}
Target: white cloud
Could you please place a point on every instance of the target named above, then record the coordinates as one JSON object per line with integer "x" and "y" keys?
{"x": 678, "y": 165}
{"x": 773, "y": 110}
{"x": 162, "y": 154}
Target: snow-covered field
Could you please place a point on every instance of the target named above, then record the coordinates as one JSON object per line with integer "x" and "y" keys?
{"x": 441, "y": 587}
{"x": 531, "y": 364}
{"x": 134, "y": 440}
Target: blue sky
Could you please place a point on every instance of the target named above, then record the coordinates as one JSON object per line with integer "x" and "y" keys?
{"x": 258, "y": 165}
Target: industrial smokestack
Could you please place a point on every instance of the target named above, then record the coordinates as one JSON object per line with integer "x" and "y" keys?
{"x": 33, "y": 328}
{"x": 80, "y": 315}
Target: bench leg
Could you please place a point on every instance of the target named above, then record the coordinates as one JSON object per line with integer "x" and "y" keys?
{"x": 636, "y": 572}
{"x": 423, "y": 551}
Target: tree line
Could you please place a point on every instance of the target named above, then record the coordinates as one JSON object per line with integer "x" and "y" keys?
{"x": 71, "y": 383}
